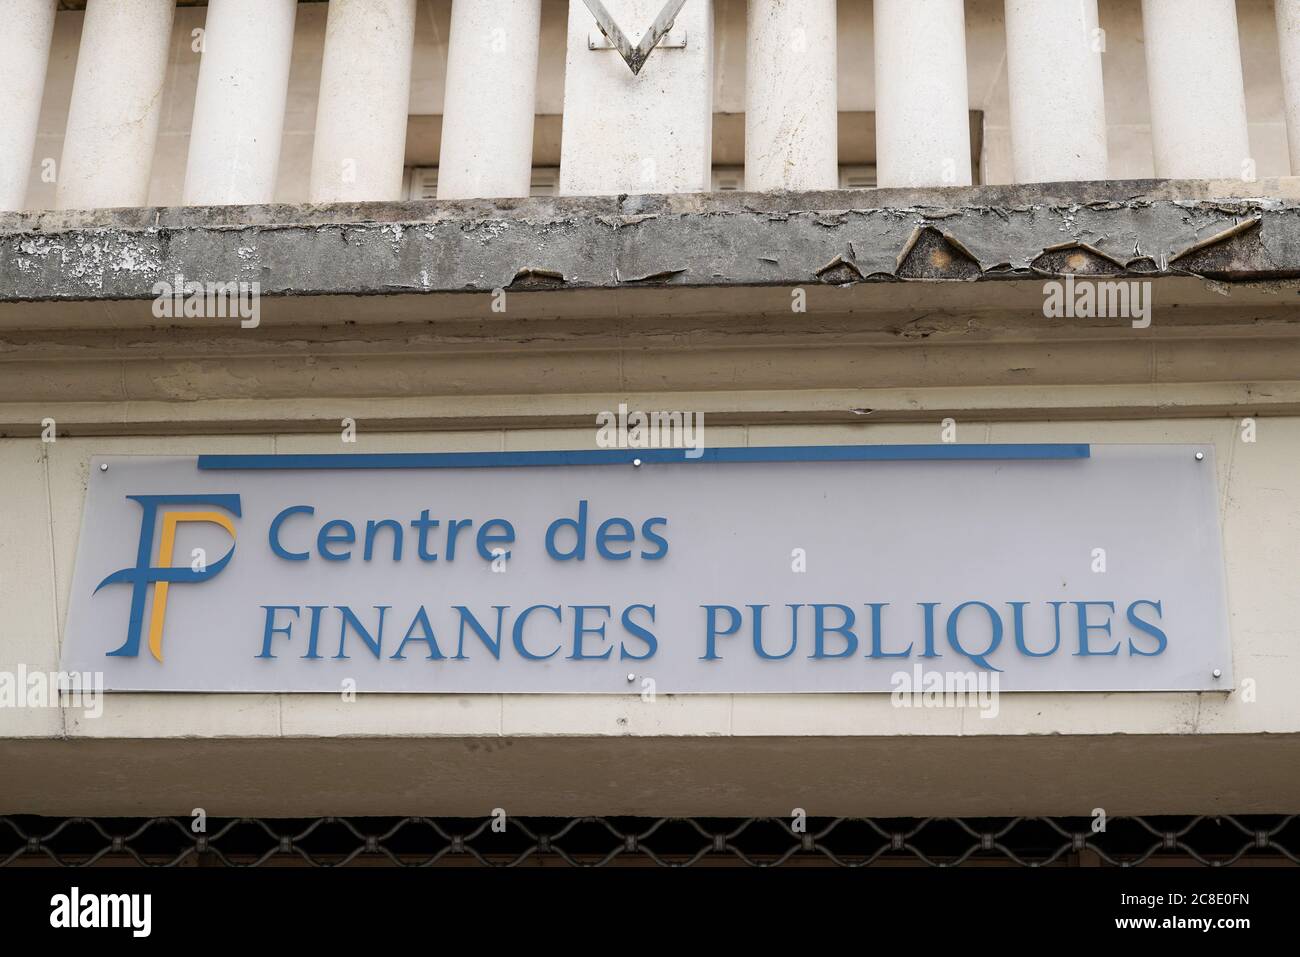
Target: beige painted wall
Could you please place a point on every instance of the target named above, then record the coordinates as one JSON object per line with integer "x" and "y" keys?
{"x": 1124, "y": 65}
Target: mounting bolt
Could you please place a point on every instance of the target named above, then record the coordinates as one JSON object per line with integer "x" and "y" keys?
{"x": 103, "y": 466}
{"x": 1200, "y": 456}
{"x": 636, "y": 463}
{"x": 1218, "y": 673}
{"x": 631, "y": 677}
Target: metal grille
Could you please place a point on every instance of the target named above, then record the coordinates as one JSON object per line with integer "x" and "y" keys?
{"x": 666, "y": 842}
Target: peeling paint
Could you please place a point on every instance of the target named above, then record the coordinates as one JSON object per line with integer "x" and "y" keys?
{"x": 1141, "y": 229}
{"x": 664, "y": 275}
{"x": 1227, "y": 234}
{"x": 839, "y": 271}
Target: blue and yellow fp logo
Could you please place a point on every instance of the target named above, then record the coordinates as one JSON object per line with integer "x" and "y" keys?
{"x": 163, "y": 575}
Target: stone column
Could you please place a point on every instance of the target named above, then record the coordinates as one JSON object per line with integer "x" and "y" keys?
{"x": 649, "y": 133}
{"x": 24, "y": 55}
{"x": 1198, "y": 99}
{"x": 365, "y": 93}
{"x": 791, "y": 115}
{"x": 922, "y": 106}
{"x": 1288, "y": 35}
{"x": 239, "y": 106}
{"x": 1058, "y": 103}
{"x": 116, "y": 104}
{"x": 491, "y": 99}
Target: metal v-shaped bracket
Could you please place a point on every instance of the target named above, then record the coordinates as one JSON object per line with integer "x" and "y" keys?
{"x": 635, "y": 57}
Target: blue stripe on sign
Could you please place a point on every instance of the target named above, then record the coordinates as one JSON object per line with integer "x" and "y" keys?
{"x": 783, "y": 453}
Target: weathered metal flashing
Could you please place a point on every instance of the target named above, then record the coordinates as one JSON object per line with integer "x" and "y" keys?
{"x": 936, "y": 254}
{"x": 1080, "y": 259}
{"x": 1233, "y": 251}
{"x": 1141, "y": 229}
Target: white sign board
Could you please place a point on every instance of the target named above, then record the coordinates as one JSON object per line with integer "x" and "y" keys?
{"x": 1057, "y": 568}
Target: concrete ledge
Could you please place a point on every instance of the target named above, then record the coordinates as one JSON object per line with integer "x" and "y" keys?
{"x": 912, "y": 777}
{"x": 1135, "y": 229}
